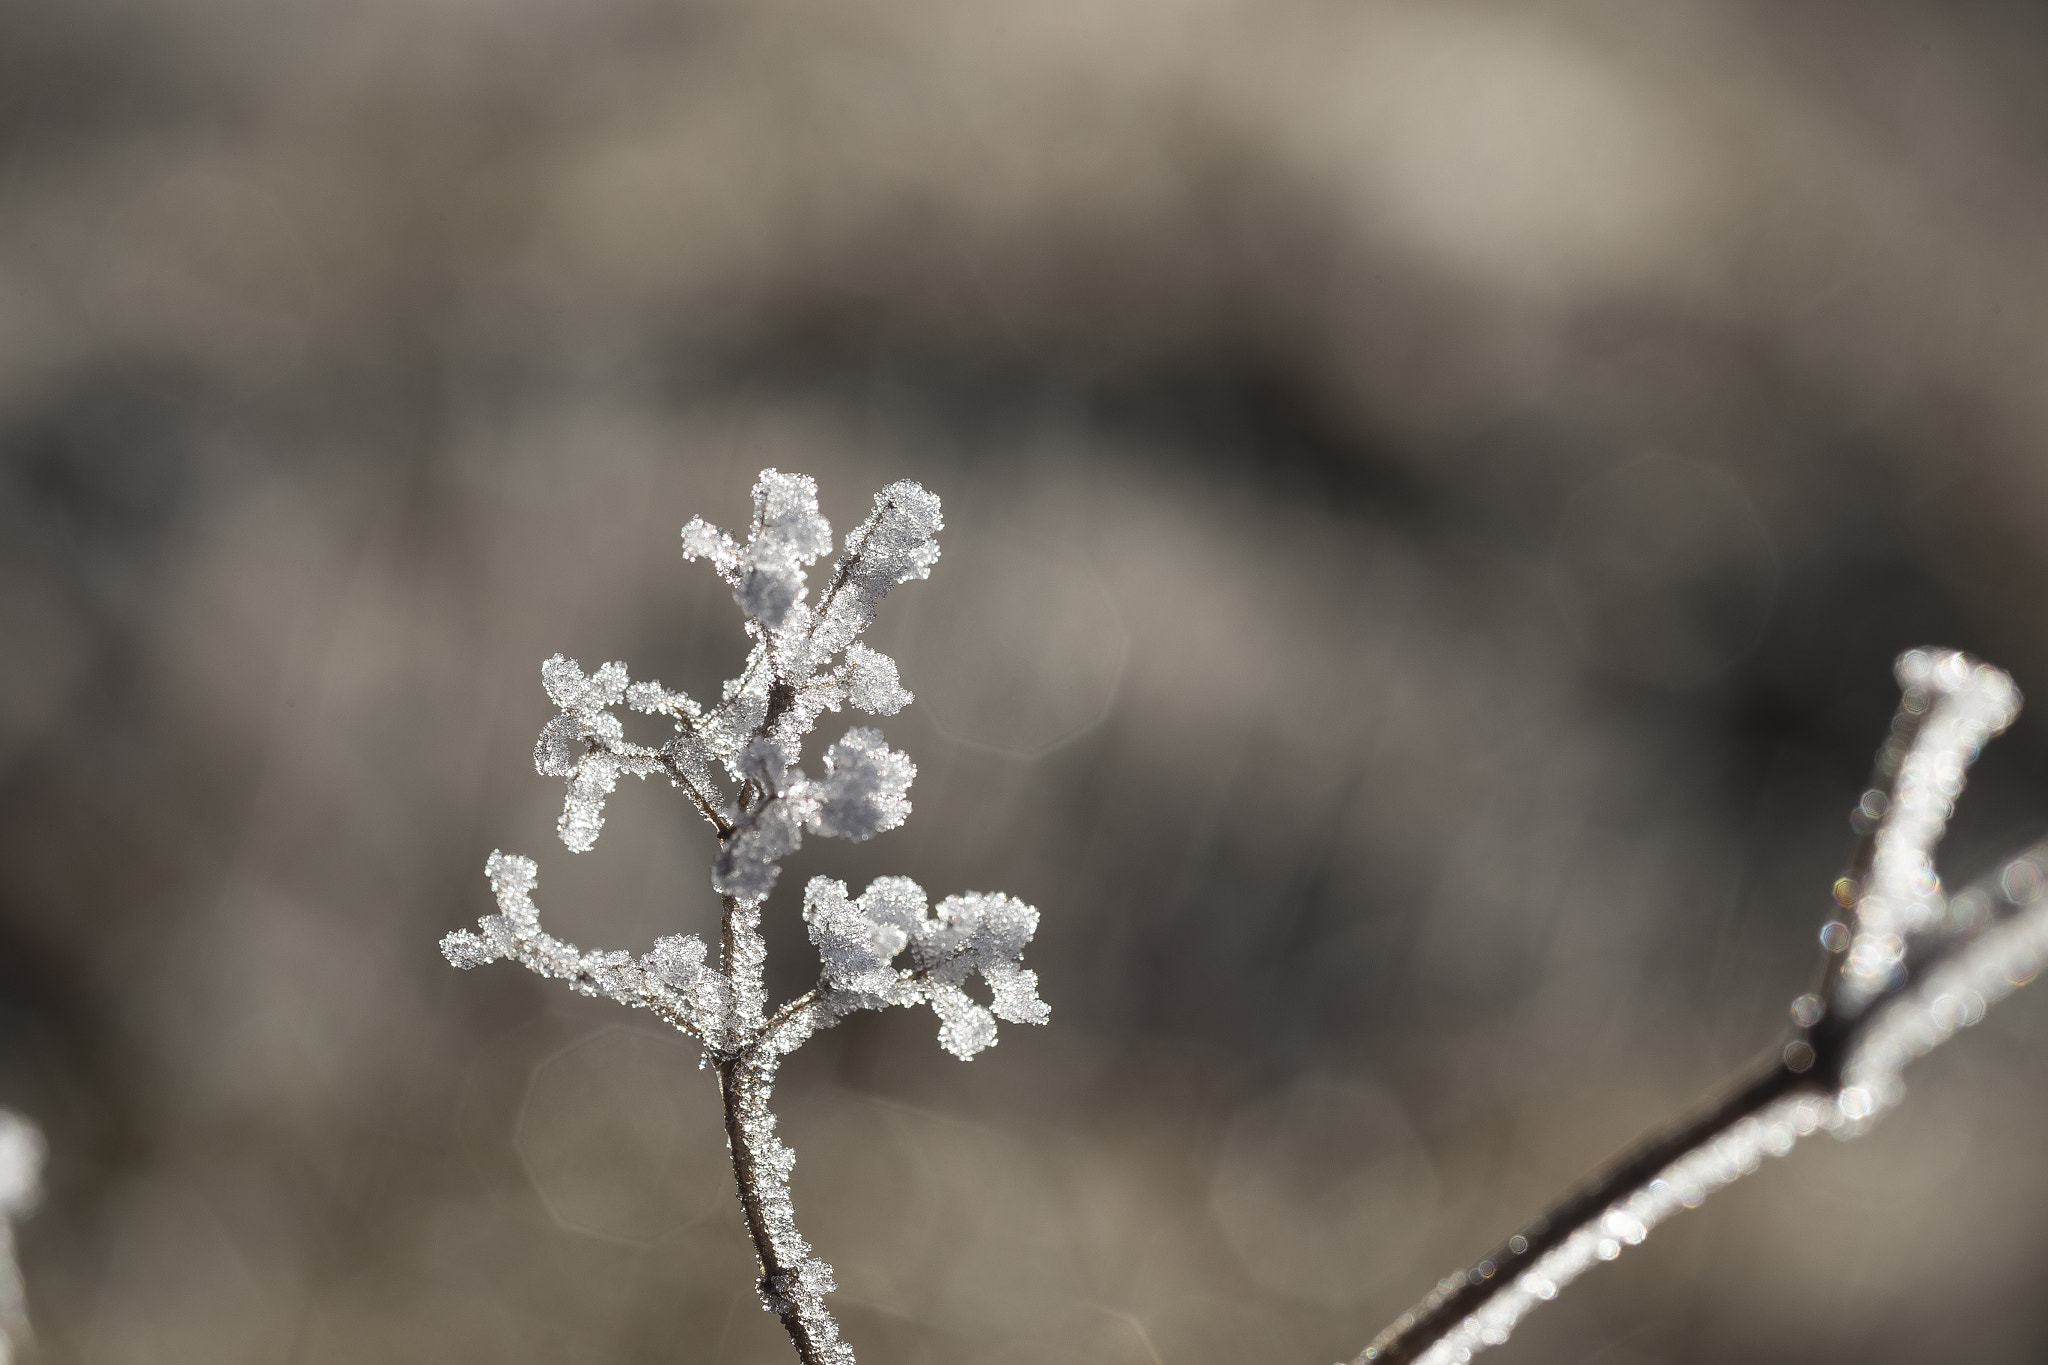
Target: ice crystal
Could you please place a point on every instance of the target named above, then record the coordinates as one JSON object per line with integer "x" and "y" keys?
{"x": 1913, "y": 968}
{"x": 739, "y": 763}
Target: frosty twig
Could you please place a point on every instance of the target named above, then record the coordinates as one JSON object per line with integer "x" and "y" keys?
{"x": 806, "y": 661}
{"x": 1910, "y": 967}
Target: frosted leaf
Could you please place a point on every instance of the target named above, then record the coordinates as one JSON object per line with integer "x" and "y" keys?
{"x": 965, "y": 1025}
{"x": 679, "y": 962}
{"x": 788, "y": 536}
{"x": 559, "y": 749}
{"x": 858, "y": 940}
{"x": 1015, "y": 993}
{"x": 986, "y": 932}
{"x": 896, "y": 903}
{"x": 593, "y": 779}
{"x": 465, "y": 950}
{"x": 865, "y": 789}
{"x": 583, "y": 702}
{"x": 767, "y": 575}
{"x": 861, "y": 795}
{"x": 980, "y": 928}
{"x": 898, "y": 542}
{"x": 872, "y": 684}
{"x": 766, "y": 764}
{"x": 587, "y": 745}
{"x": 574, "y": 693}
{"x": 749, "y": 859}
{"x": 702, "y": 540}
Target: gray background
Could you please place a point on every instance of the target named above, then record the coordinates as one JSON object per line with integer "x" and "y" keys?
{"x": 1433, "y": 491}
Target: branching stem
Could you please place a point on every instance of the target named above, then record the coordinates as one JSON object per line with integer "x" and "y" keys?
{"x": 1893, "y": 985}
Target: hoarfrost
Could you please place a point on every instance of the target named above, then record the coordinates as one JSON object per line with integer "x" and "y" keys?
{"x": 866, "y": 788}
{"x": 871, "y": 682}
{"x": 739, "y": 763}
{"x": 671, "y": 980}
{"x": 767, "y": 575}
{"x": 1913, "y": 969}
{"x": 587, "y": 744}
{"x": 859, "y": 940}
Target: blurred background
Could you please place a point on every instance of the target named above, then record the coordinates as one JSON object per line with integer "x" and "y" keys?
{"x": 1433, "y": 493}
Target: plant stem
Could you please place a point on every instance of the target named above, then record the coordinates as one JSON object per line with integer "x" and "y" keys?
{"x": 744, "y": 1084}
{"x": 790, "y": 1285}
{"x": 1457, "y": 1296}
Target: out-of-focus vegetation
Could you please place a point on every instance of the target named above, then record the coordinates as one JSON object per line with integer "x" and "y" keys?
{"x": 1433, "y": 494}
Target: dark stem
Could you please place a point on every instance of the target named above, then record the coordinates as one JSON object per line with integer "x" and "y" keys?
{"x": 739, "y": 1080}
{"x": 698, "y": 799}
{"x": 1459, "y": 1295}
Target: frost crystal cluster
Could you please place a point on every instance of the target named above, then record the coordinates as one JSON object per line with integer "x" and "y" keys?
{"x": 737, "y": 763}
{"x": 21, "y": 1186}
{"x": 1909, "y": 967}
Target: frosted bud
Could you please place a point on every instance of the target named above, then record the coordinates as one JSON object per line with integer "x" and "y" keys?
{"x": 865, "y": 789}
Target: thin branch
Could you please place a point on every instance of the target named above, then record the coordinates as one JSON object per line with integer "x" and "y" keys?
{"x": 1456, "y": 1297}
{"x": 705, "y": 807}
{"x": 792, "y": 1015}
{"x": 744, "y": 1083}
{"x": 1896, "y": 983}
{"x": 843, "y": 569}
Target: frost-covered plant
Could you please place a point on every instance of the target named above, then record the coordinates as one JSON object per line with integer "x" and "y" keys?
{"x": 1904, "y": 966}
{"x": 21, "y": 1186}
{"x": 806, "y": 661}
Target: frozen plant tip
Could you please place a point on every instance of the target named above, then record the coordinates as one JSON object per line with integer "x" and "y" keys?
{"x": 736, "y": 762}
{"x": 1904, "y": 966}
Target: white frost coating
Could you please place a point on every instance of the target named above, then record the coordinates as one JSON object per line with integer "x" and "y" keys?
{"x": 767, "y": 575}
{"x": 1684, "y": 1184}
{"x": 865, "y": 791}
{"x": 866, "y": 787}
{"x": 983, "y": 932}
{"x": 587, "y": 745}
{"x": 871, "y": 682}
{"x": 1921, "y": 972}
{"x": 806, "y": 661}
{"x": 796, "y": 1289}
{"x": 1964, "y": 703}
{"x": 898, "y": 542}
{"x": 22, "y": 1151}
{"x": 671, "y": 980}
{"x": 1953, "y": 993}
